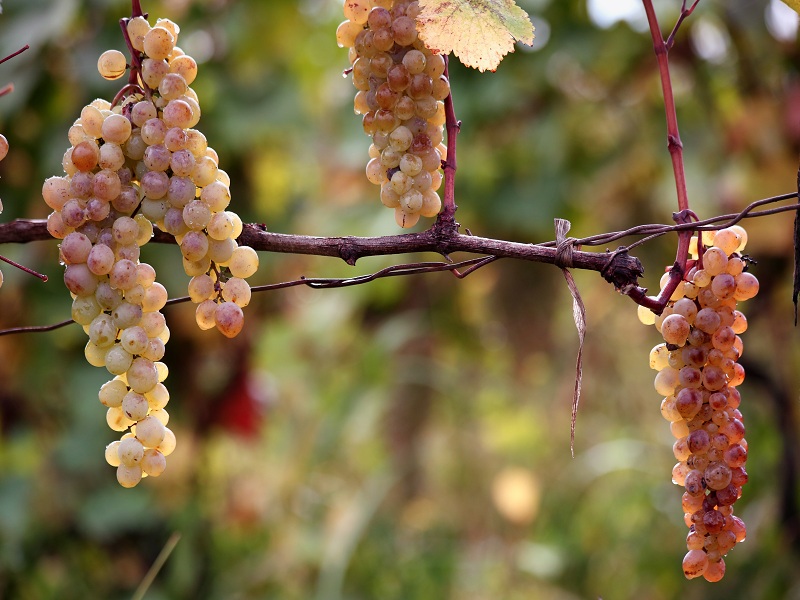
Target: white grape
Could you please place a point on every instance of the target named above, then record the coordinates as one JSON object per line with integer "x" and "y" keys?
{"x": 112, "y": 64}
{"x": 150, "y": 431}
{"x": 129, "y": 476}
{"x": 243, "y": 262}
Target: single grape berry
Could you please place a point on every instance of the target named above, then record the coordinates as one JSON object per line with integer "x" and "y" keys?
{"x": 3, "y": 146}
{"x": 112, "y": 64}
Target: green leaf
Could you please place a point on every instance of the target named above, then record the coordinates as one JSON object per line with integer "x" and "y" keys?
{"x": 479, "y": 32}
{"x": 793, "y": 4}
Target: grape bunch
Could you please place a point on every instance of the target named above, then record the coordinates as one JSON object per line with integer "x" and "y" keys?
{"x": 115, "y": 296}
{"x": 130, "y": 167}
{"x": 698, "y": 375}
{"x": 401, "y": 87}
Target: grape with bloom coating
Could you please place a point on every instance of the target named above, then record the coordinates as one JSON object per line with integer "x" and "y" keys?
{"x": 129, "y": 476}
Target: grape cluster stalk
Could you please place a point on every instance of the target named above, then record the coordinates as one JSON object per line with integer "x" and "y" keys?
{"x": 3, "y": 154}
{"x": 698, "y": 375}
{"x": 133, "y": 165}
{"x": 401, "y": 88}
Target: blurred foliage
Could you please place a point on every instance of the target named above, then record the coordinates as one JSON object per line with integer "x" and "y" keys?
{"x": 407, "y": 438}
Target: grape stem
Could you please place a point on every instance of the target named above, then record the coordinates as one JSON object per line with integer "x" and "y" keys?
{"x": 127, "y": 90}
{"x": 699, "y": 250}
{"x": 217, "y": 278}
{"x": 446, "y": 218}
{"x": 13, "y": 54}
{"x": 674, "y": 144}
{"x": 136, "y": 83}
{"x": 9, "y": 87}
{"x": 23, "y": 268}
{"x": 134, "y": 79}
{"x": 136, "y": 9}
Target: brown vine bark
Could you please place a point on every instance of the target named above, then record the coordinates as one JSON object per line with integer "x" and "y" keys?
{"x": 617, "y": 267}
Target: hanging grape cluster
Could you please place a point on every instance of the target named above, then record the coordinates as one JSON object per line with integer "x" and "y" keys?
{"x": 401, "y": 87}
{"x": 698, "y": 375}
{"x": 130, "y": 167}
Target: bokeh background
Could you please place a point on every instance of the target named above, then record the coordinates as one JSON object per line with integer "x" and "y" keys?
{"x": 408, "y": 438}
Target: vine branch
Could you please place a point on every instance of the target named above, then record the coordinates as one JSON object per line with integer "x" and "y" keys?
{"x": 22, "y": 231}
{"x": 617, "y": 267}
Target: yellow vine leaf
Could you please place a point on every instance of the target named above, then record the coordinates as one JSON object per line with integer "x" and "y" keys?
{"x": 793, "y": 4}
{"x": 479, "y": 32}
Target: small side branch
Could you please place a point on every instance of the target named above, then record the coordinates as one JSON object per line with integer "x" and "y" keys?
{"x": 685, "y": 12}
{"x": 23, "y": 268}
{"x": 35, "y": 328}
{"x": 13, "y": 54}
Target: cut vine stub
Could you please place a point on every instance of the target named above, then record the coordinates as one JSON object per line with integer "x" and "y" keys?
{"x": 623, "y": 271}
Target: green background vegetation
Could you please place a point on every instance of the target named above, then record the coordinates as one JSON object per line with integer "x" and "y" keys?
{"x": 406, "y": 439}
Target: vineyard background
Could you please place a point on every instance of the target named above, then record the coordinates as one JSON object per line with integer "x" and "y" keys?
{"x": 408, "y": 438}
